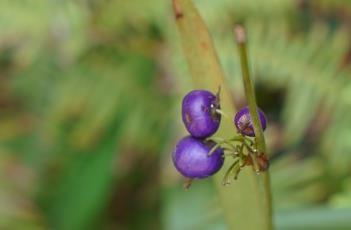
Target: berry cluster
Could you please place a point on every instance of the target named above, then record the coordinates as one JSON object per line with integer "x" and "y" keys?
{"x": 199, "y": 155}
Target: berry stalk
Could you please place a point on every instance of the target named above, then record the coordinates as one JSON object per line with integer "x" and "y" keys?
{"x": 264, "y": 180}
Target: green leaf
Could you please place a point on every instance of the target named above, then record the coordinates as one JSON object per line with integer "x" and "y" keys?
{"x": 83, "y": 190}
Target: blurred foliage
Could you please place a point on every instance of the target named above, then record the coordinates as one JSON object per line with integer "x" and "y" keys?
{"x": 89, "y": 111}
{"x": 70, "y": 119}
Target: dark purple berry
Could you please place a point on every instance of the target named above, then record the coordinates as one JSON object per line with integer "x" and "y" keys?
{"x": 199, "y": 113}
{"x": 243, "y": 123}
{"x": 191, "y": 159}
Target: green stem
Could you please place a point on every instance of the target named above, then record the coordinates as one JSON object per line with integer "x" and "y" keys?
{"x": 263, "y": 179}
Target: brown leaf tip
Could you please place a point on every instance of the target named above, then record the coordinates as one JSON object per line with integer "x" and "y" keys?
{"x": 176, "y": 9}
{"x": 239, "y": 33}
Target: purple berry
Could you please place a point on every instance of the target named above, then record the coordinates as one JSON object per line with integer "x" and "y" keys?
{"x": 199, "y": 113}
{"x": 191, "y": 159}
{"x": 243, "y": 123}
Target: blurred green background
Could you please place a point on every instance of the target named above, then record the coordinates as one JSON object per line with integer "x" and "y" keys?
{"x": 90, "y": 94}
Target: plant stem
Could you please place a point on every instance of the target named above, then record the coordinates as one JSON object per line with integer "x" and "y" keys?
{"x": 264, "y": 178}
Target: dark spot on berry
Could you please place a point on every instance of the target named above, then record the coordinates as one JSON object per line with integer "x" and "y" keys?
{"x": 204, "y": 108}
{"x": 245, "y": 126}
{"x": 188, "y": 118}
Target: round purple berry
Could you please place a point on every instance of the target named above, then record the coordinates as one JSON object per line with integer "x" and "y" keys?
{"x": 199, "y": 113}
{"x": 190, "y": 157}
{"x": 243, "y": 123}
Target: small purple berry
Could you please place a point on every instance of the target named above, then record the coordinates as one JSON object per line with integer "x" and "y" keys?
{"x": 243, "y": 123}
{"x": 190, "y": 157}
{"x": 199, "y": 113}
